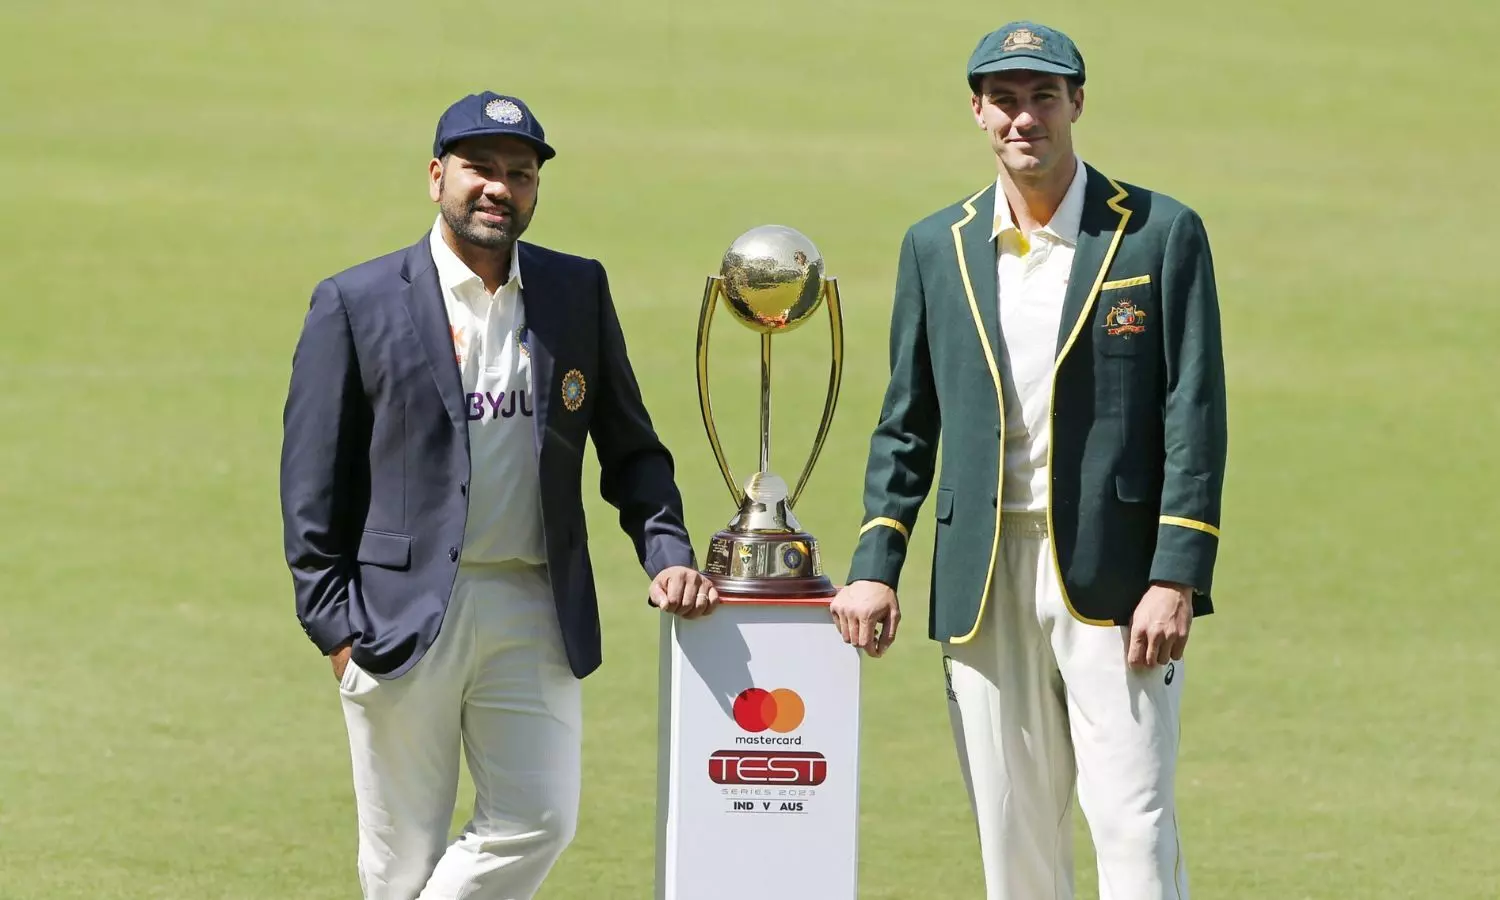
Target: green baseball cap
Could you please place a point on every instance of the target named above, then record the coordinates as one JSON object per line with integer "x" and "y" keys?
{"x": 1025, "y": 46}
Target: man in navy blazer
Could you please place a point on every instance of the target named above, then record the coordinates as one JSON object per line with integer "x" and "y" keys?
{"x": 434, "y": 433}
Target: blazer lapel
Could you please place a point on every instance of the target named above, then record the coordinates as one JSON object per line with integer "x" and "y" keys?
{"x": 424, "y": 303}
{"x": 976, "y": 269}
{"x": 1099, "y": 233}
{"x": 546, "y": 327}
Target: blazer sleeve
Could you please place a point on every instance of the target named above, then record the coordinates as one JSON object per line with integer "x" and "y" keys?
{"x": 320, "y": 444}
{"x": 636, "y": 471}
{"x": 1195, "y": 415}
{"x": 903, "y": 447}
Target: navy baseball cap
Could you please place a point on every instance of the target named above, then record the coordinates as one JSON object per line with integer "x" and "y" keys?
{"x": 491, "y": 113}
{"x": 1025, "y": 46}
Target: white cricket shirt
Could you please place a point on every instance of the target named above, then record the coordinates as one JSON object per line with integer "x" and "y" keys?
{"x": 1033, "y": 279}
{"x": 490, "y": 342}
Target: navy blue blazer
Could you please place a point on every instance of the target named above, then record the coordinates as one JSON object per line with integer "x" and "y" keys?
{"x": 375, "y": 454}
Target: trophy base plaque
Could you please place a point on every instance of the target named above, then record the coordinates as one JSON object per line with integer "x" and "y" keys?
{"x": 778, "y": 564}
{"x": 764, "y": 552}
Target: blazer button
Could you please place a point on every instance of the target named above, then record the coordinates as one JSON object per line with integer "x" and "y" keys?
{"x": 453, "y": 554}
{"x": 463, "y": 488}
{"x": 994, "y": 501}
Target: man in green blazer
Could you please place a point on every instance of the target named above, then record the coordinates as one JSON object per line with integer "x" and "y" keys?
{"x": 1058, "y": 330}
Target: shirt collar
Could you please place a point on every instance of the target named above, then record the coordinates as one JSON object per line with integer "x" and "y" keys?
{"x": 1065, "y": 222}
{"x": 454, "y": 273}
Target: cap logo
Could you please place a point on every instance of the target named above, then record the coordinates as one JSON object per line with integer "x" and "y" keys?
{"x": 503, "y": 111}
{"x": 1021, "y": 39}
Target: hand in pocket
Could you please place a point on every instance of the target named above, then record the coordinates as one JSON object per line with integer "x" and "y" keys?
{"x": 340, "y": 660}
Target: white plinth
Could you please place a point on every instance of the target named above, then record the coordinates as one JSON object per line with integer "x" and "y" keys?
{"x": 766, "y": 804}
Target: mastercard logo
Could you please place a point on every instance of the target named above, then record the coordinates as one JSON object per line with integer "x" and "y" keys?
{"x": 758, "y": 710}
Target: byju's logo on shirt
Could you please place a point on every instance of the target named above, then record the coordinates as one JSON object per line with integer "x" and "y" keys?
{"x": 481, "y": 405}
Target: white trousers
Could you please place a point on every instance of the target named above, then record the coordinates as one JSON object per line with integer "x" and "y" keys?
{"x": 497, "y": 683}
{"x": 1041, "y": 702}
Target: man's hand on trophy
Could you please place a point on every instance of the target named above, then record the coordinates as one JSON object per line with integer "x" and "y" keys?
{"x": 683, "y": 591}
{"x": 863, "y": 607}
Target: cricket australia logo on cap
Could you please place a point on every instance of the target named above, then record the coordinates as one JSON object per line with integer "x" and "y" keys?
{"x": 1021, "y": 39}
{"x": 574, "y": 389}
{"x": 504, "y": 111}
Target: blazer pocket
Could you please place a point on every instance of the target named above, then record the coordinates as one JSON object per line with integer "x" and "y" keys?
{"x": 1137, "y": 281}
{"x": 1128, "y": 314}
{"x": 1133, "y": 489}
{"x": 1121, "y": 347}
{"x": 944, "y": 504}
{"x": 385, "y": 549}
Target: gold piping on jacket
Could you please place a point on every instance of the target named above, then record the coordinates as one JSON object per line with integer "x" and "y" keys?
{"x": 1190, "y": 523}
{"x": 1083, "y": 316}
{"x": 882, "y": 521}
{"x": 989, "y": 359}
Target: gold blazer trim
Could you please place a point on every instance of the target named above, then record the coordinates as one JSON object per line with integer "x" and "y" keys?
{"x": 884, "y": 522}
{"x": 989, "y": 361}
{"x": 1190, "y": 523}
{"x": 1083, "y": 317}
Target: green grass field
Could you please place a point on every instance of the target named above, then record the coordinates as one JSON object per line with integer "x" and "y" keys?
{"x": 175, "y": 178}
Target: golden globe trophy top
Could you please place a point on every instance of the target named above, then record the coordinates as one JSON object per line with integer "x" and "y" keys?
{"x": 772, "y": 280}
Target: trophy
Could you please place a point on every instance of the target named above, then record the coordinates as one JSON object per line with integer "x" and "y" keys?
{"x": 772, "y": 281}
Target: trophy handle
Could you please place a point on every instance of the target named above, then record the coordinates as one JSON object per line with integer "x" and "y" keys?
{"x": 705, "y": 321}
{"x": 835, "y": 377}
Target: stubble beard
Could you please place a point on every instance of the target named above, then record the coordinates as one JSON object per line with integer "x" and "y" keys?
{"x": 1028, "y": 168}
{"x": 463, "y": 221}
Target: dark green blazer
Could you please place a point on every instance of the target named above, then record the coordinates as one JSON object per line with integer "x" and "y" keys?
{"x": 1138, "y": 411}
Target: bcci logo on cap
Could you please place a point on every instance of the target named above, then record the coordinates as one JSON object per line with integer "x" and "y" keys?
{"x": 504, "y": 111}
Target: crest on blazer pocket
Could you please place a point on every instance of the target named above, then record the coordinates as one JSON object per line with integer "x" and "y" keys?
{"x": 1125, "y": 318}
{"x": 574, "y": 389}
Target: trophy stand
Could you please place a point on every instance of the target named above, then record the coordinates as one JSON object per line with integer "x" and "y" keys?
{"x": 758, "y": 766}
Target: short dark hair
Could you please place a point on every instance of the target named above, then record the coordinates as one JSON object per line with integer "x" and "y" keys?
{"x": 443, "y": 160}
{"x": 1073, "y": 81}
